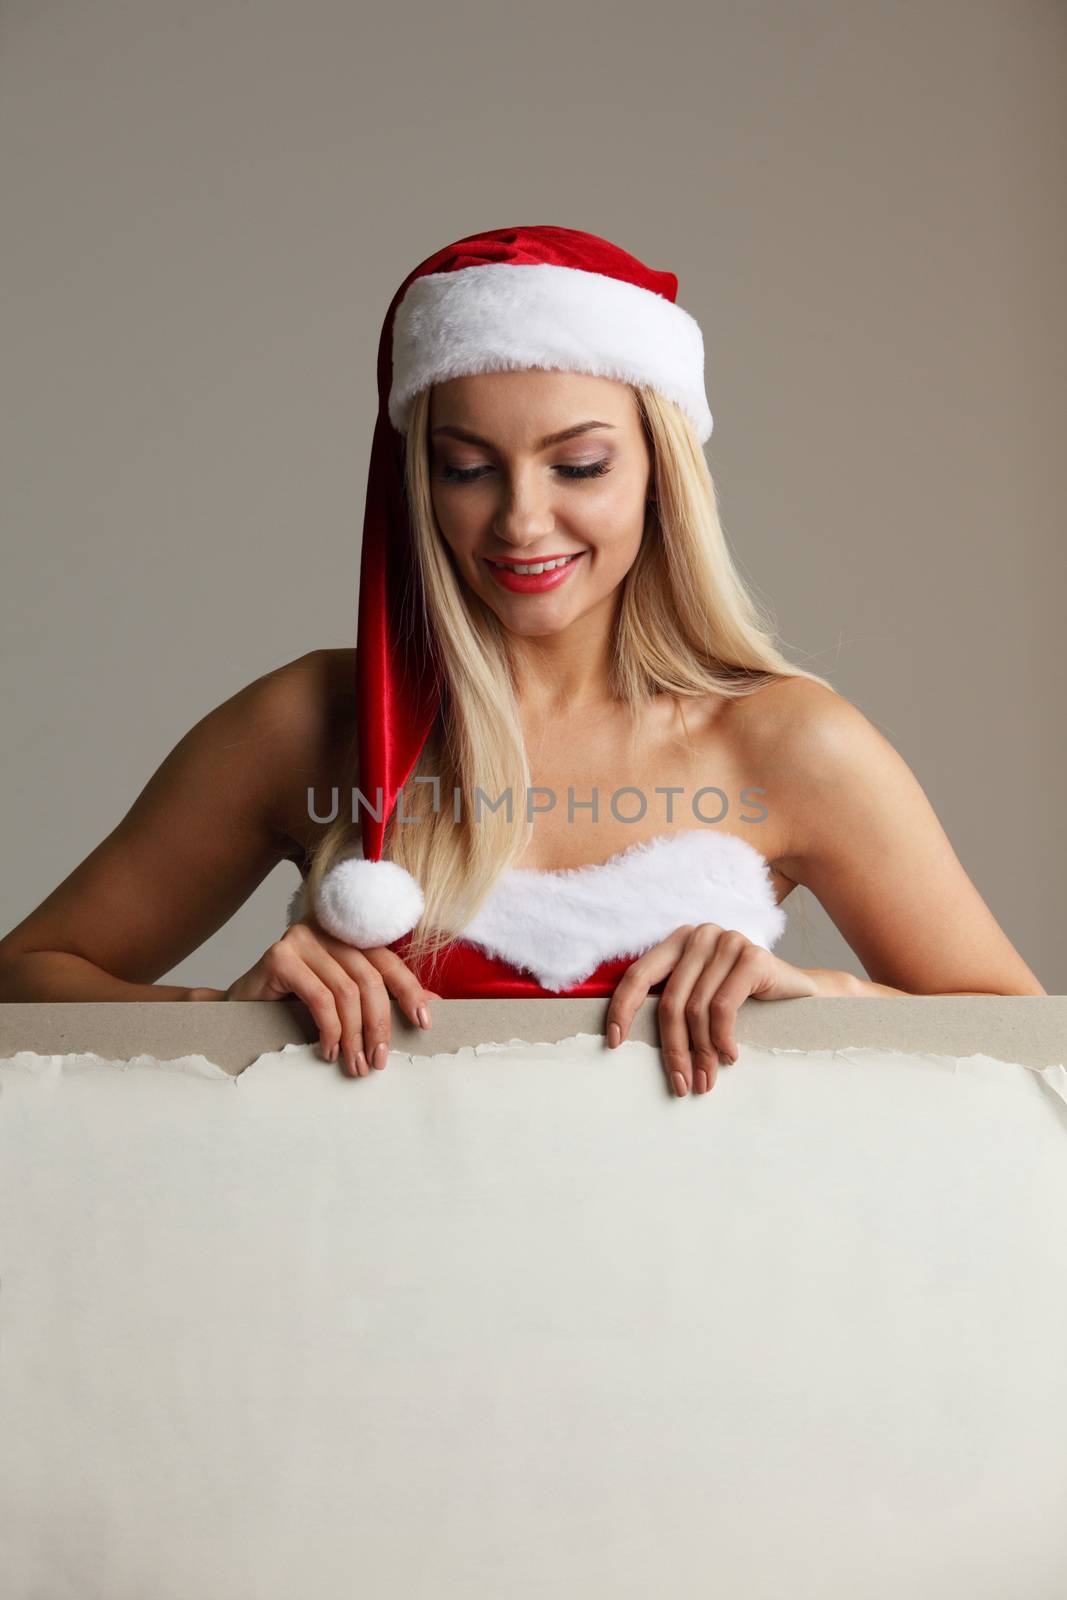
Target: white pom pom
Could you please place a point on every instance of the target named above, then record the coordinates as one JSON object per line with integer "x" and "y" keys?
{"x": 368, "y": 903}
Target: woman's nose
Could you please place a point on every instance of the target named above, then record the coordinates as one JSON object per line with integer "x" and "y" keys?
{"x": 525, "y": 514}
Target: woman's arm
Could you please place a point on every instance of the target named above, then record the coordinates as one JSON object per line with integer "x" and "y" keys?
{"x": 867, "y": 843}
{"x": 199, "y": 838}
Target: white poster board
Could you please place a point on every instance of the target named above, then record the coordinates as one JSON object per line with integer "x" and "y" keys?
{"x": 514, "y": 1321}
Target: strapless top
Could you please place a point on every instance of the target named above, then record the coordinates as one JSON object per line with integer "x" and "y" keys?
{"x": 573, "y": 932}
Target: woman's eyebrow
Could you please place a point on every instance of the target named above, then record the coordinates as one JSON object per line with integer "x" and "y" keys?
{"x": 542, "y": 444}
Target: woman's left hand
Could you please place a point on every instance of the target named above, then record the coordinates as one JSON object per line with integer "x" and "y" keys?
{"x": 712, "y": 971}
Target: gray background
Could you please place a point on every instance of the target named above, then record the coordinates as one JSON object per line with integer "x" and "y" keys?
{"x": 207, "y": 208}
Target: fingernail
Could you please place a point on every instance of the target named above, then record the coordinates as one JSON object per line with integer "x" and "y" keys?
{"x": 381, "y": 1055}
{"x": 361, "y": 1064}
{"x": 679, "y": 1083}
{"x": 423, "y": 1016}
{"x": 614, "y": 1034}
{"x": 701, "y": 1081}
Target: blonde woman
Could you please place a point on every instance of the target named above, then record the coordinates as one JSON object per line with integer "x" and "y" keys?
{"x": 567, "y": 756}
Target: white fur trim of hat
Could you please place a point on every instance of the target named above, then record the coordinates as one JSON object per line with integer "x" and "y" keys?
{"x": 491, "y": 318}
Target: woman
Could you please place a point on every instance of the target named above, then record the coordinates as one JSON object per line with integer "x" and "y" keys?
{"x": 541, "y": 400}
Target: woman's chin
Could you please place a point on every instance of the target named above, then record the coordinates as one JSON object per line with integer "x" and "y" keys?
{"x": 527, "y": 626}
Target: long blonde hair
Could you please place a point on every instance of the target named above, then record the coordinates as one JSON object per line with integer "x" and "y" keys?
{"x": 686, "y": 626}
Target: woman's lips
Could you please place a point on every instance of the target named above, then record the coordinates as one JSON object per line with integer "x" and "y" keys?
{"x": 532, "y": 582}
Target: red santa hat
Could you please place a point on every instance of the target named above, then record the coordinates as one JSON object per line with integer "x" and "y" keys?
{"x": 506, "y": 300}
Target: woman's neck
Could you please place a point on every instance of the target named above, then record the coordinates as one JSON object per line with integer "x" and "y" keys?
{"x": 563, "y": 675}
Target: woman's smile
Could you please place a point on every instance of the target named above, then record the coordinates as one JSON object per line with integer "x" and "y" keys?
{"x": 533, "y": 577}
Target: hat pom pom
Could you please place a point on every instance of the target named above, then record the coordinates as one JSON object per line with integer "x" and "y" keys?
{"x": 368, "y": 903}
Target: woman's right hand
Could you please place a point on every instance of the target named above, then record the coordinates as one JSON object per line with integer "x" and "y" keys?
{"x": 347, "y": 991}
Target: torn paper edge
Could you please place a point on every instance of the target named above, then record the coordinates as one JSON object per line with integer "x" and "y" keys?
{"x": 75, "y": 1061}
{"x": 1052, "y": 1078}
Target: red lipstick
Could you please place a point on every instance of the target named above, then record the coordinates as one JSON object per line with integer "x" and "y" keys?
{"x": 534, "y": 582}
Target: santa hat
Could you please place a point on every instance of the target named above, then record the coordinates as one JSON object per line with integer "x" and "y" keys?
{"x": 510, "y": 299}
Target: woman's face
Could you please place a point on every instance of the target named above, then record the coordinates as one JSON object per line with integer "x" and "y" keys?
{"x": 509, "y": 495}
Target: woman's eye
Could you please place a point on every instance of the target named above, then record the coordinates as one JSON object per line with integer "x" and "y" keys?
{"x": 461, "y": 474}
{"x": 595, "y": 469}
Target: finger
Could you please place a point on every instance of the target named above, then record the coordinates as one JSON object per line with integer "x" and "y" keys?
{"x": 633, "y": 987}
{"x": 674, "y": 1010}
{"x": 733, "y": 990}
{"x": 341, "y": 975}
{"x": 287, "y": 961}
{"x": 411, "y": 995}
{"x": 711, "y": 1009}
{"x": 377, "y": 1014}
{"x": 704, "y": 951}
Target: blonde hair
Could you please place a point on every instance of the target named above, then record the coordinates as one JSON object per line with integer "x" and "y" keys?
{"x": 686, "y": 626}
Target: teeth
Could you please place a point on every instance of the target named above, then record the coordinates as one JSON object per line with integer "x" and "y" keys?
{"x": 541, "y": 566}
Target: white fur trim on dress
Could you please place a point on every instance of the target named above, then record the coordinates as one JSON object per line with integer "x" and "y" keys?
{"x": 561, "y": 926}
{"x": 495, "y": 317}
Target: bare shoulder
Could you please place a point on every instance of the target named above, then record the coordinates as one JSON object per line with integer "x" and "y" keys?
{"x": 795, "y": 709}
{"x": 260, "y": 747}
{"x": 202, "y": 834}
{"x": 811, "y": 750}
{"x": 800, "y": 726}
{"x": 305, "y": 712}
{"x": 856, "y": 828}
{"x": 305, "y": 701}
